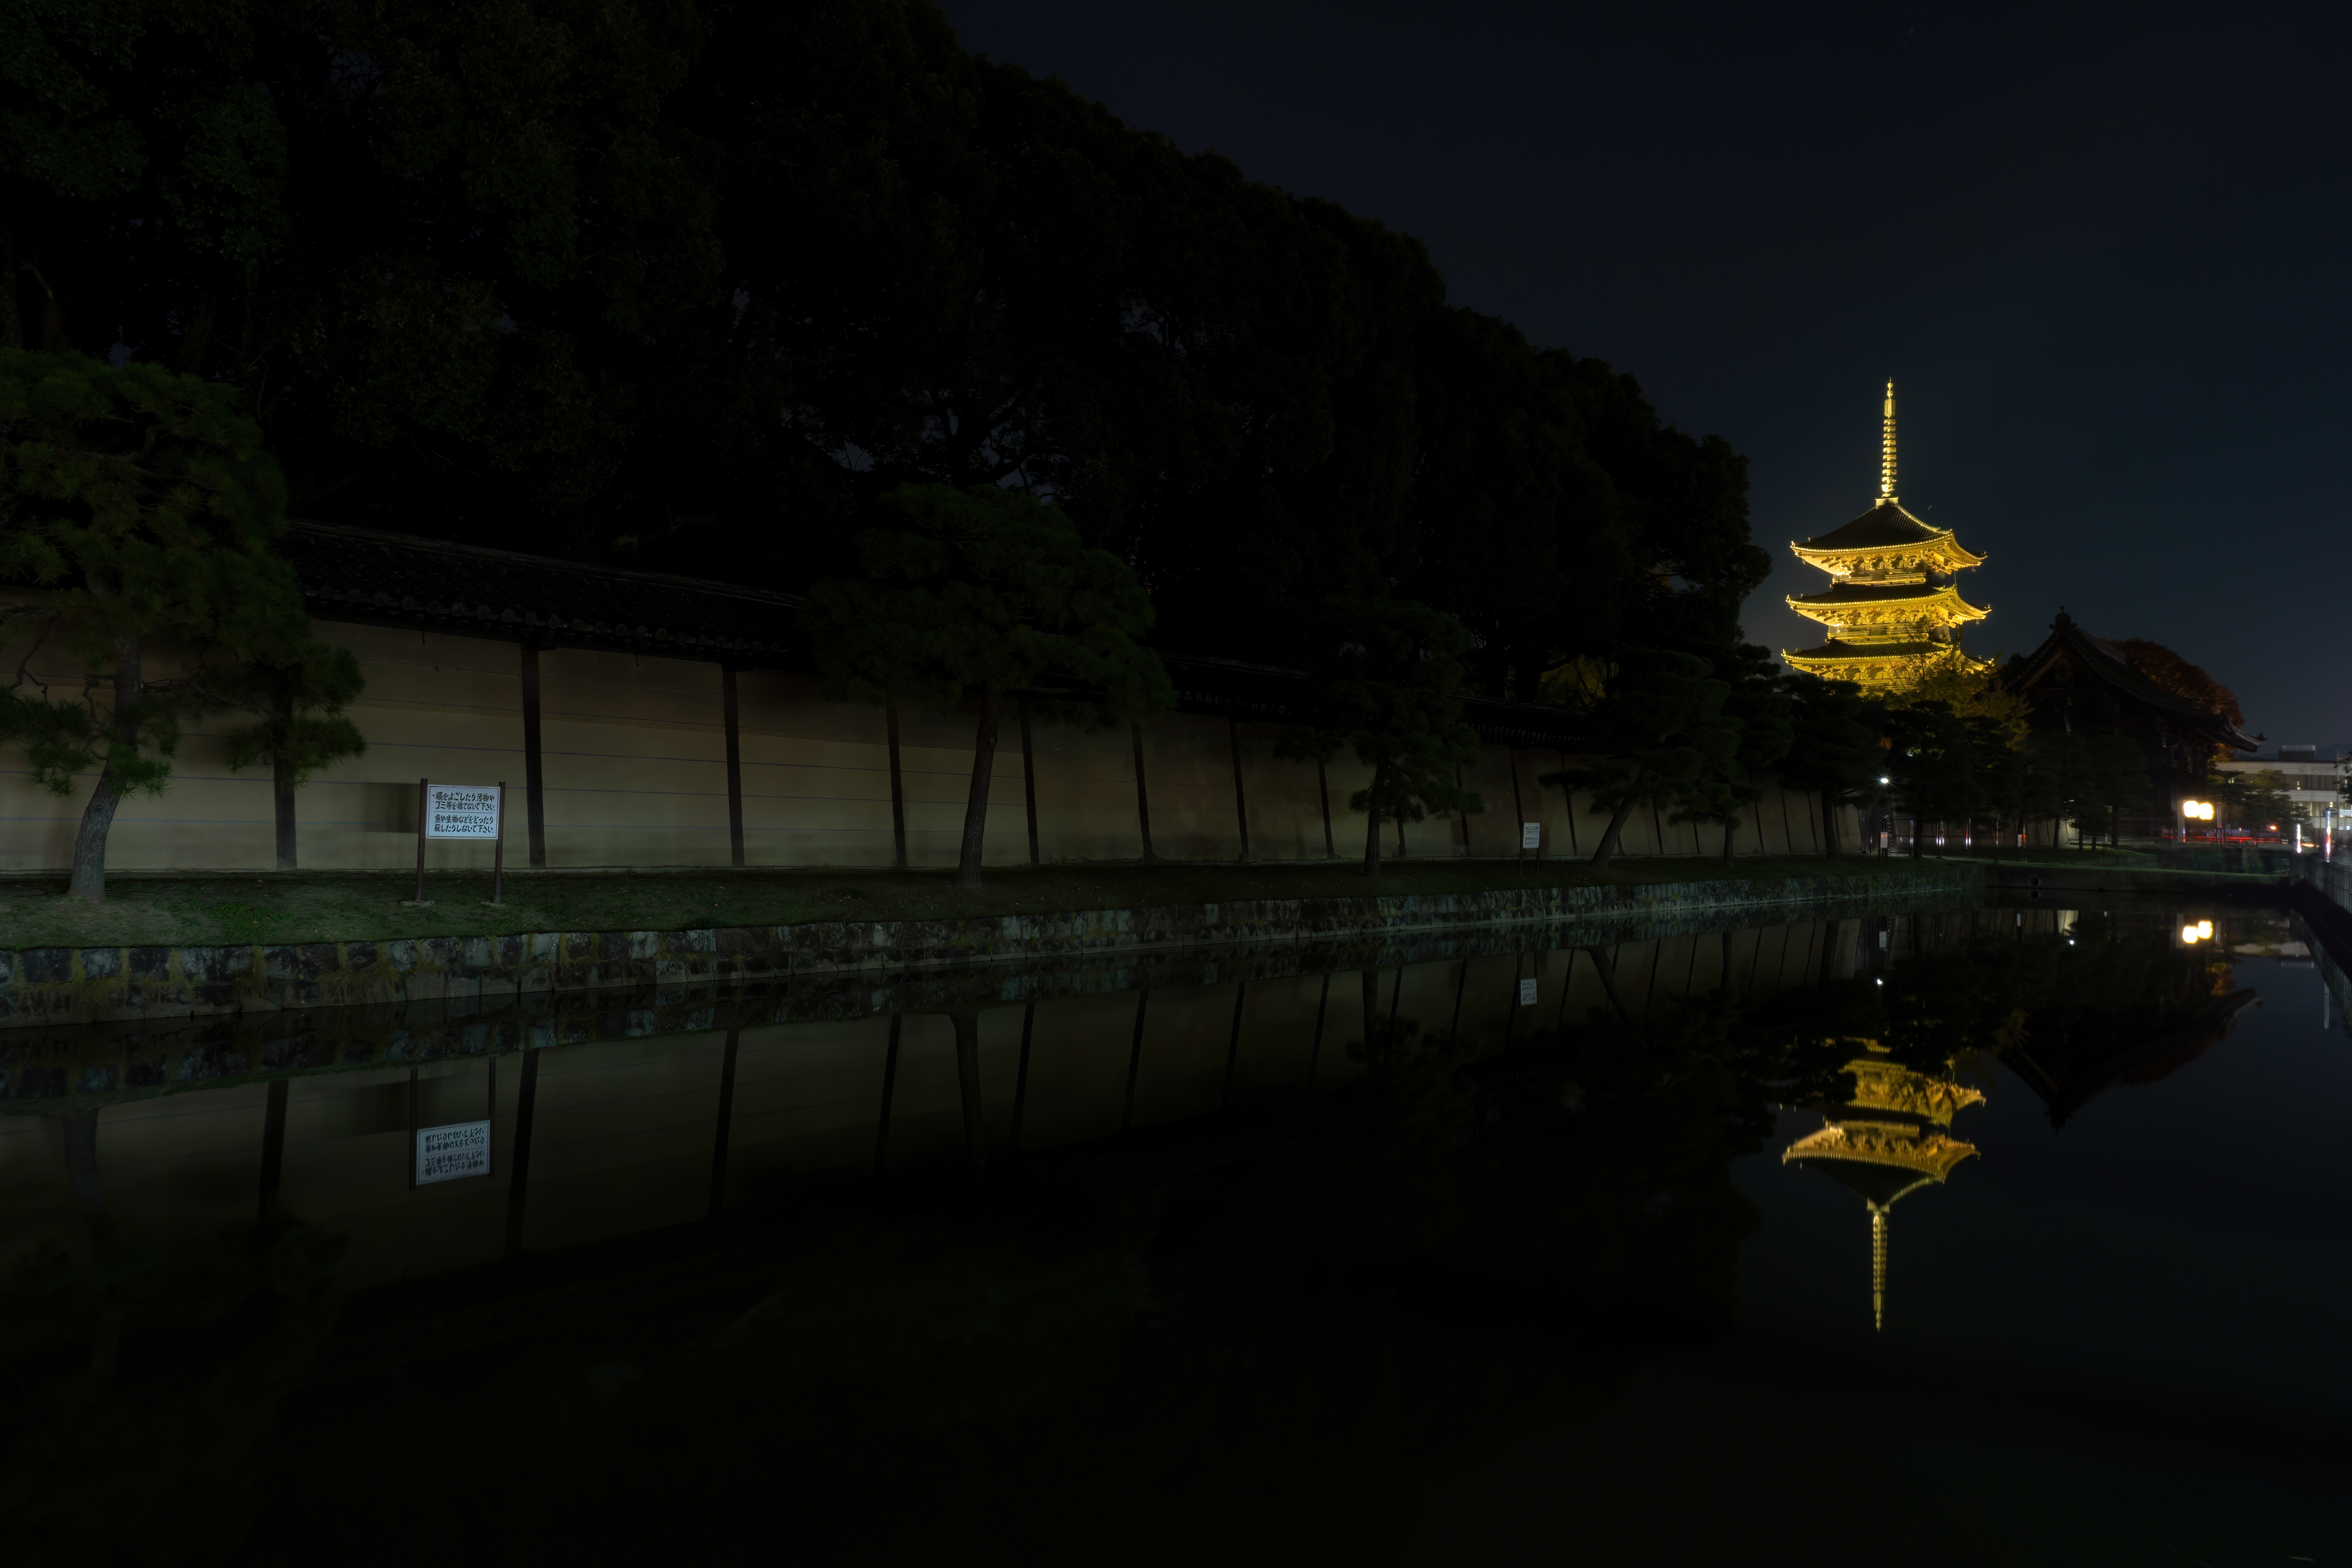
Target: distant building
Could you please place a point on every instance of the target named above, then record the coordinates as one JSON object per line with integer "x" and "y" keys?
{"x": 2314, "y": 775}
{"x": 1891, "y": 604}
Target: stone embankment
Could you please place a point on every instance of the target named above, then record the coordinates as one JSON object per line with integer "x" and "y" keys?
{"x": 2157, "y": 878}
{"x": 48, "y": 986}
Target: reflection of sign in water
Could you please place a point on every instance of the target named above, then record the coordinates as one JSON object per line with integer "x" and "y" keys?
{"x": 461, "y": 811}
{"x": 446, "y": 1153}
{"x": 1530, "y": 835}
{"x": 1527, "y": 993}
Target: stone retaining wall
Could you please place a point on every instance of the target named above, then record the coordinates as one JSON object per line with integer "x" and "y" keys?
{"x": 94, "y": 984}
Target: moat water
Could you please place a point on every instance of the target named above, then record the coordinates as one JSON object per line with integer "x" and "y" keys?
{"x": 2016, "y": 1233}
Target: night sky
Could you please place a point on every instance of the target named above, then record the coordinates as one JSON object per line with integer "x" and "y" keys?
{"x": 2101, "y": 251}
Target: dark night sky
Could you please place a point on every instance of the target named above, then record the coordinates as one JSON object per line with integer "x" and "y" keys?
{"x": 2101, "y": 250}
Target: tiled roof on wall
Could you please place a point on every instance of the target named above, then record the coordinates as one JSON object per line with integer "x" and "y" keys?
{"x": 376, "y": 578}
{"x": 1270, "y": 693}
{"x": 367, "y": 576}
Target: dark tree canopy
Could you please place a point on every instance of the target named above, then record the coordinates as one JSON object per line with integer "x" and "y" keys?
{"x": 2182, "y": 679}
{"x": 689, "y": 284}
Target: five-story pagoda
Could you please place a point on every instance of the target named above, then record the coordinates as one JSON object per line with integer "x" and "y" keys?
{"x": 1891, "y": 609}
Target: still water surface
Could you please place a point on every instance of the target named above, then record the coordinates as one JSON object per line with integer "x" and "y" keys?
{"x": 2012, "y": 1235}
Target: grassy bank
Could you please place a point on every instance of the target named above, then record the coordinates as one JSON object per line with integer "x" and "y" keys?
{"x": 340, "y": 906}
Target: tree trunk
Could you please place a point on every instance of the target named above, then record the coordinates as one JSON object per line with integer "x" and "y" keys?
{"x": 1828, "y": 826}
{"x": 1605, "y": 966}
{"x": 1915, "y": 838}
{"x": 1372, "y": 828}
{"x": 98, "y": 818}
{"x": 281, "y": 789}
{"x": 281, "y": 772}
{"x": 89, "y": 1196}
{"x": 975, "y": 1147}
{"x": 1372, "y": 1007}
{"x": 1608, "y": 846}
{"x": 1730, "y": 827}
{"x": 983, "y": 768}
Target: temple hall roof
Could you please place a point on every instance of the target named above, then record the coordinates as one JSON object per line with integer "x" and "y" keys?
{"x": 2104, "y": 662}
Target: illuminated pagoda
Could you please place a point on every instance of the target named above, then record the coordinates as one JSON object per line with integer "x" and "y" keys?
{"x": 1891, "y": 604}
{"x": 1892, "y": 1138}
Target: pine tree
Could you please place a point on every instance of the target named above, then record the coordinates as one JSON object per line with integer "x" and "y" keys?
{"x": 138, "y": 505}
{"x": 1660, "y": 732}
{"x": 1759, "y": 705}
{"x": 1835, "y": 752}
{"x": 300, "y": 699}
{"x": 968, "y": 596}
{"x": 1389, "y": 684}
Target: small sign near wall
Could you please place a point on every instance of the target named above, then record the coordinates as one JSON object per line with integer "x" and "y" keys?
{"x": 462, "y": 811}
{"x": 1530, "y": 835}
{"x": 476, "y": 812}
{"x": 449, "y": 1153}
{"x": 1527, "y": 993}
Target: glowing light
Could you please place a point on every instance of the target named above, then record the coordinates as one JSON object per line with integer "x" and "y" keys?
{"x": 2190, "y": 935}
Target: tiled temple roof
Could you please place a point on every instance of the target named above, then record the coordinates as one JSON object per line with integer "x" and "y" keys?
{"x": 2108, "y": 664}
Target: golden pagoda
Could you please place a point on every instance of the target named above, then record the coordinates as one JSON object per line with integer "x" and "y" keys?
{"x": 1891, "y": 606}
{"x": 1891, "y": 1139}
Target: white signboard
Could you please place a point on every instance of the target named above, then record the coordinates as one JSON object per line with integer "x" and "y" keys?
{"x": 1527, "y": 993}
{"x": 1530, "y": 835}
{"x": 461, "y": 811}
{"x": 447, "y": 1153}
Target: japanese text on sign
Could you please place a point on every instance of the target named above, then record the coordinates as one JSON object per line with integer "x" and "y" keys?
{"x": 1527, "y": 993}
{"x": 446, "y": 1153}
{"x": 1530, "y": 835}
{"x": 461, "y": 811}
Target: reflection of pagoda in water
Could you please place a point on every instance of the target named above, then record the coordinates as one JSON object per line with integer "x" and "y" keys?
{"x": 1891, "y": 1139}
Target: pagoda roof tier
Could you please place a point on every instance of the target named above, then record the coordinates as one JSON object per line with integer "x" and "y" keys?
{"x": 1888, "y": 602}
{"x": 1886, "y": 527}
{"x": 1890, "y": 1145}
{"x": 1838, "y": 649}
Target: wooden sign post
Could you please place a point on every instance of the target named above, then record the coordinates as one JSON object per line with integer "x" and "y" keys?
{"x": 463, "y": 811}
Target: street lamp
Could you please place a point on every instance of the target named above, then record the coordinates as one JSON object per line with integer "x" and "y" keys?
{"x": 2194, "y": 811}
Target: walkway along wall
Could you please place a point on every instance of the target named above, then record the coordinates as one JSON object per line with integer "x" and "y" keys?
{"x": 649, "y": 722}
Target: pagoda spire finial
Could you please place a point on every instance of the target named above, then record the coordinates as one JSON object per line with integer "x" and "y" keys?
{"x": 1877, "y": 1268}
{"x": 1886, "y": 446}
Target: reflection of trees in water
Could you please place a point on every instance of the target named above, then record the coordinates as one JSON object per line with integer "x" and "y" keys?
{"x": 1255, "y": 1337}
{"x": 2116, "y": 999}
{"x": 140, "y": 1380}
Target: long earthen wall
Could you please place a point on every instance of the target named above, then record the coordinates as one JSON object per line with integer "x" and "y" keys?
{"x": 634, "y": 751}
